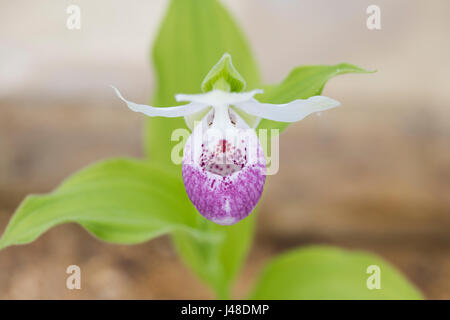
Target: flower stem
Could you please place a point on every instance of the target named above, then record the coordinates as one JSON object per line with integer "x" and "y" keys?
{"x": 223, "y": 293}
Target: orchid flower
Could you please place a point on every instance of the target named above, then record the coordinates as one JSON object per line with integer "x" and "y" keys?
{"x": 224, "y": 164}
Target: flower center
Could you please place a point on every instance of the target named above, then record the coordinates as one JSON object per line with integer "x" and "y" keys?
{"x": 222, "y": 142}
{"x": 224, "y": 160}
{"x": 223, "y": 151}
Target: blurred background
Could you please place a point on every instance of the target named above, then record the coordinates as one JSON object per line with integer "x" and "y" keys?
{"x": 372, "y": 175}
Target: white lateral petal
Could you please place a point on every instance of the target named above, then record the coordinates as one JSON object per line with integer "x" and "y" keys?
{"x": 169, "y": 112}
{"x": 289, "y": 112}
{"x": 218, "y": 97}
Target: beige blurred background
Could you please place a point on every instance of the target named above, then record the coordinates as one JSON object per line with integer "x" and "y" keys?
{"x": 373, "y": 174}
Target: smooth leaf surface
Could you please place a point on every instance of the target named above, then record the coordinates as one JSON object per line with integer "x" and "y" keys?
{"x": 193, "y": 37}
{"x": 120, "y": 201}
{"x": 302, "y": 83}
{"x": 329, "y": 273}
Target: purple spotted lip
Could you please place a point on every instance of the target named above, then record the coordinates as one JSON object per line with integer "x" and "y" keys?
{"x": 225, "y": 178}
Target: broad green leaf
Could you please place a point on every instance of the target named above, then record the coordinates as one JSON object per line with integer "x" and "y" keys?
{"x": 193, "y": 36}
{"x": 121, "y": 201}
{"x": 328, "y": 273}
{"x": 302, "y": 83}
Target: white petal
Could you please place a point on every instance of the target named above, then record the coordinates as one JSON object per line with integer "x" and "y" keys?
{"x": 289, "y": 112}
{"x": 218, "y": 97}
{"x": 169, "y": 112}
{"x": 192, "y": 118}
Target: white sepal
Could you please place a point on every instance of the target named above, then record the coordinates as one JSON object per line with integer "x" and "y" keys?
{"x": 169, "y": 112}
{"x": 289, "y": 112}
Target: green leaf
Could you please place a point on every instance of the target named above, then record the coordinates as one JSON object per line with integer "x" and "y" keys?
{"x": 329, "y": 273}
{"x": 193, "y": 37}
{"x": 302, "y": 83}
{"x": 120, "y": 201}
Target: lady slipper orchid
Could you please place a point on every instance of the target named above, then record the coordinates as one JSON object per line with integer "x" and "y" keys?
{"x": 224, "y": 164}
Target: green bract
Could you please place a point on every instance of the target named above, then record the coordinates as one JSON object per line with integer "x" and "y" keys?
{"x": 131, "y": 201}
{"x": 225, "y": 76}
